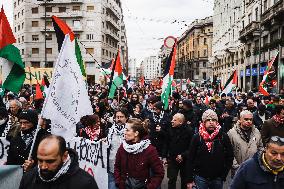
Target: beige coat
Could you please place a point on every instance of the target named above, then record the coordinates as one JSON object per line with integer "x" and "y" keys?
{"x": 242, "y": 149}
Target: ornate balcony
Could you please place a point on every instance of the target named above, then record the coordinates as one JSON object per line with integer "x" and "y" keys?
{"x": 251, "y": 30}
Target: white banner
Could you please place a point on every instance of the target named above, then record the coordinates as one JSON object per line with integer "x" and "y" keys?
{"x": 92, "y": 158}
{"x": 4, "y": 146}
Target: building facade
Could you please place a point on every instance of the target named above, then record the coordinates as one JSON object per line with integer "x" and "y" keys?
{"x": 151, "y": 68}
{"x": 247, "y": 34}
{"x": 194, "y": 48}
{"x": 132, "y": 69}
{"x": 96, "y": 24}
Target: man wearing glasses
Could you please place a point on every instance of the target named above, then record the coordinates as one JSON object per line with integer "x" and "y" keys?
{"x": 264, "y": 170}
{"x": 245, "y": 139}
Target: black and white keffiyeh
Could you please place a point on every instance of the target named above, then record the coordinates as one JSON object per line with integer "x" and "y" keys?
{"x": 28, "y": 137}
{"x": 65, "y": 167}
{"x": 117, "y": 129}
{"x": 137, "y": 147}
{"x": 158, "y": 117}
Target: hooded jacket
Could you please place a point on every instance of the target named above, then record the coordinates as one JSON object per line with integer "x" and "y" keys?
{"x": 252, "y": 174}
{"x": 74, "y": 178}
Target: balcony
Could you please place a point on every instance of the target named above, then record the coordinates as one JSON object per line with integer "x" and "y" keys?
{"x": 273, "y": 15}
{"x": 71, "y": 14}
{"x": 112, "y": 35}
{"x": 110, "y": 21}
{"x": 251, "y": 30}
{"x": 62, "y": 2}
{"x": 111, "y": 8}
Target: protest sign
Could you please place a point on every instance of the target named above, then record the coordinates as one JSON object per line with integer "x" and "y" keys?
{"x": 92, "y": 158}
{"x": 4, "y": 146}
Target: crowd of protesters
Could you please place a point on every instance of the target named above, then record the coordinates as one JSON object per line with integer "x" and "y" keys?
{"x": 204, "y": 137}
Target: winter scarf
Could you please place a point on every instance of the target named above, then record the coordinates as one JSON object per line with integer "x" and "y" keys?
{"x": 117, "y": 130}
{"x": 93, "y": 133}
{"x": 137, "y": 147}
{"x": 278, "y": 119}
{"x": 208, "y": 138}
{"x": 28, "y": 137}
{"x": 65, "y": 167}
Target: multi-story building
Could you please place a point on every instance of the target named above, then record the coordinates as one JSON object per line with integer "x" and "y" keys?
{"x": 247, "y": 34}
{"x": 151, "y": 67}
{"x": 163, "y": 55}
{"x": 194, "y": 50}
{"x": 262, "y": 33}
{"x": 132, "y": 68}
{"x": 96, "y": 24}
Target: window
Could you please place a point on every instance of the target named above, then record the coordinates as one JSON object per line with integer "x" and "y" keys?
{"x": 90, "y": 36}
{"x": 48, "y": 50}
{"x": 48, "y": 9}
{"x": 35, "y": 38}
{"x": 49, "y": 23}
{"x": 249, "y": 18}
{"x": 62, "y": 9}
{"x": 76, "y": 8}
{"x": 49, "y": 65}
{"x": 103, "y": 24}
{"x": 204, "y": 64}
{"x": 15, "y": 17}
{"x": 23, "y": 12}
{"x": 103, "y": 38}
{"x": 49, "y": 37}
{"x": 23, "y": 51}
{"x": 205, "y": 41}
{"x": 90, "y": 23}
{"x": 76, "y": 23}
{"x": 35, "y": 64}
{"x": 34, "y": 23}
{"x": 89, "y": 50}
{"x": 15, "y": 4}
{"x": 204, "y": 75}
{"x": 90, "y": 8}
{"x": 103, "y": 52}
{"x": 15, "y": 29}
{"x": 19, "y": 27}
{"x": 19, "y": 40}
{"x": 265, "y": 5}
{"x": 256, "y": 14}
{"x": 35, "y": 50}
{"x": 204, "y": 52}
{"x": 23, "y": 38}
{"x": 35, "y": 10}
{"x": 77, "y": 36}
{"x": 23, "y": 25}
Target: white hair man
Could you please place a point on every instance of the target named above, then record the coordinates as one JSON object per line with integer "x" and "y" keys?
{"x": 245, "y": 139}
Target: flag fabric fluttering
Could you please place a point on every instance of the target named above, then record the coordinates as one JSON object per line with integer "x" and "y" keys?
{"x": 231, "y": 83}
{"x": 67, "y": 100}
{"x": 168, "y": 77}
{"x": 45, "y": 85}
{"x": 61, "y": 29}
{"x": 38, "y": 92}
{"x": 263, "y": 86}
{"x": 116, "y": 79}
{"x": 13, "y": 68}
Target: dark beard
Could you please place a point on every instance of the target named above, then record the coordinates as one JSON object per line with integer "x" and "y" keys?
{"x": 47, "y": 175}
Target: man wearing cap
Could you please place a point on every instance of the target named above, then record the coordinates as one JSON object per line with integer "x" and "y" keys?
{"x": 20, "y": 145}
{"x": 265, "y": 170}
{"x": 245, "y": 139}
{"x": 210, "y": 155}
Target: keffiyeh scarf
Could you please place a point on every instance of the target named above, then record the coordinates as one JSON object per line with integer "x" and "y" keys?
{"x": 137, "y": 147}
{"x": 28, "y": 137}
{"x": 208, "y": 138}
{"x": 93, "y": 133}
{"x": 278, "y": 119}
{"x": 65, "y": 167}
{"x": 117, "y": 129}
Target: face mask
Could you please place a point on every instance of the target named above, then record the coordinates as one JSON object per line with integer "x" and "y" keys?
{"x": 2, "y": 121}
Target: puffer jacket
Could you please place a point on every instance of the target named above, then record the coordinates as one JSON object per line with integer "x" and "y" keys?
{"x": 75, "y": 178}
{"x": 244, "y": 150}
{"x": 252, "y": 174}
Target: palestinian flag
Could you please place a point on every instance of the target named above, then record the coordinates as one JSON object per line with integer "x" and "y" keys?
{"x": 38, "y": 92}
{"x": 107, "y": 68}
{"x": 13, "y": 68}
{"x": 116, "y": 78}
{"x": 231, "y": 83}
{"x": 265, "y": 81}
{"x": 168, "y": 77}
{"x": 45, "y": 85}
{"x": 61, "y": 29}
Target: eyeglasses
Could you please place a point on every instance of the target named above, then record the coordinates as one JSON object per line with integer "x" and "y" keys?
{"x": 277, "y": 138}
{"x": 213, "y": 120}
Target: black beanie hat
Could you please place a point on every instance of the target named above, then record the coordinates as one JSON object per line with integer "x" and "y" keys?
{"x": 29, "y": 115}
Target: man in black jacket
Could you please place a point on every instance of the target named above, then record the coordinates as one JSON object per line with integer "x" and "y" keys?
{"x": 210, "y": 156}
{"x": 57, "y": 168}
{"x": 176, "y": 150}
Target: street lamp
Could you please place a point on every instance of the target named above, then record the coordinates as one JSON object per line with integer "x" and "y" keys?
{"x": 45, "y": 18}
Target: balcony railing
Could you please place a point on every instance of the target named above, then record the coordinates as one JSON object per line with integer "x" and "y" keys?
{"x": 249, "y": 30}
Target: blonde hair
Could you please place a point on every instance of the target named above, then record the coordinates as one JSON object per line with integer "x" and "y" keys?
{"x": 141, "y": 126}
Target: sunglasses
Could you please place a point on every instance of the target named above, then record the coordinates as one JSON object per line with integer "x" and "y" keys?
{"x": 213, "y": 120}
{"x": 277, "y": 138}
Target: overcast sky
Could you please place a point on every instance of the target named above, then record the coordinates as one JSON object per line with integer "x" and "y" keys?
{"x": 148, "y": 22}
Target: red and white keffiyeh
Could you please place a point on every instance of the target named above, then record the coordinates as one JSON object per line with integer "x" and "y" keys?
{"x": 208, "y": 138}
{"x": 93, "y": 133}
{"x": 278, "y": 119}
